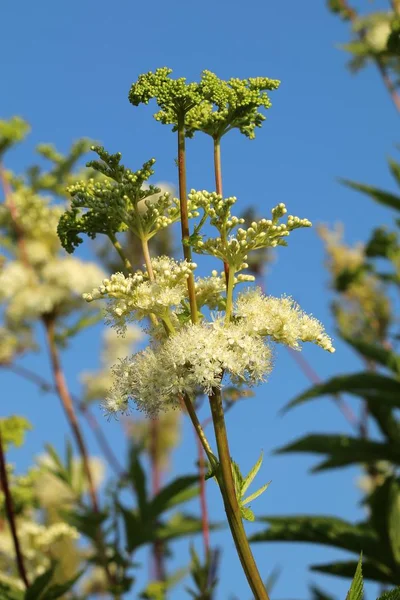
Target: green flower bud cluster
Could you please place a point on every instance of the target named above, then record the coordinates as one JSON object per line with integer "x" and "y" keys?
{"x": 266, "y": 233}
{"x": 213, "y": 105}
{"x": 175, "y": 97}
{"x": 232, "y": 104}
{"x": 11, "y": 132}
{"x": 111, "y": 204}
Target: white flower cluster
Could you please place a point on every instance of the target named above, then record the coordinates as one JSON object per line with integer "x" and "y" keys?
{"x": 36, "y": 541}
{"x": 136, "y": 297}
{"x": 193, "y": 360}
{"x": 58, "y": 285}
{"x": 281, "y": 319}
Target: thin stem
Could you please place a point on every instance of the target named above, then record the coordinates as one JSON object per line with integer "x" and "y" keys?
{"x": 184, "y": 214}
{"x": 217, "y": 165}
{"x": 10, "y": 515}
{"x": 120, "y": 251}
{"x": 232, "y": 508}
{"x": 229, "y": 295}
{"x": 203, "y": 499}
{"x": 66, "y": 401}
{"x": 218, "y": 184}
{"x": 147, "y": 258}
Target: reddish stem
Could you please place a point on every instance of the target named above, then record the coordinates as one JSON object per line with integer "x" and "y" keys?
{"x": 10, "y": 515}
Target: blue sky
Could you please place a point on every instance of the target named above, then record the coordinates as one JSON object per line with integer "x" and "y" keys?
{"x": 67, "y": 69}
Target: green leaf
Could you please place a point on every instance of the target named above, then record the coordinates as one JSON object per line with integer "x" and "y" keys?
{"x": 58, "y": 590}
{"x": 249, "y": 478}
{"x": 37, "y": 587}
{"x": 256, "y": 494}
{"x": 138, "y": 478}
{"x": 371, "y": 570}
{"x": 324, "y": 530}
{"x": 394, "y": 167}
{"x": 360, "y": 384}
{"x": 356, "y": 591}
{"x": 246, "y": 513}
{"x": 391, "y": 595}
{"x": 380, "y": 196}
{"x": 237, "y": 479}
{"x": 377, "y": 353}
{"x": 384, "y": 504}
{"x": 342, "y": 450}
{"x": 356, "y": 47}
{"x": 178, "y": 491}
{"x": 180, "y": 525}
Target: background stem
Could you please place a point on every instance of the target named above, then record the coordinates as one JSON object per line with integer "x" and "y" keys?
{"x": 10, "y": 515}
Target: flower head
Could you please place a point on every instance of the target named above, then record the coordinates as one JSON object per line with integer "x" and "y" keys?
{"x": 192, "y": 361}
{"x": 280, "y": 319}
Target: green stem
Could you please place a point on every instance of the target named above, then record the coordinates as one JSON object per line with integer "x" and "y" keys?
{"x": 229, "y": 295}
{"x": 218, "y": 185}
{"x": 232, "y": 508}
{"x": 184, "y": 214}
{"x": 120, "y": 251}
{"x": 217, "y": 165}
{"x": 147, "y": 258}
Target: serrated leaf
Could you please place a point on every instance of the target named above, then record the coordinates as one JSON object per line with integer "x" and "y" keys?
{"x": 37, "y": 587}
{"x": 256, "y": 494}
{"x": 342, "y": 450}
{"x": 324, "y": 530}
{"x": 377, "y": 353}
{"x": 356, "y": 591}
{"x": 178, "y": 491}
{"x": 371, "y": 570}
{"x": 380, "y": 196}
{"x": 237, "y": 479}
{"x": 391, "y": 595}
{"x": 360, "y": 384}
{"x": 251, "y": 475}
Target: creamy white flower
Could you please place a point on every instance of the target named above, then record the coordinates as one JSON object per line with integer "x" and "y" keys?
{"x": 194, "y": 359}
{"x": 136, "y": 297}
{"x": 281, "y": 319}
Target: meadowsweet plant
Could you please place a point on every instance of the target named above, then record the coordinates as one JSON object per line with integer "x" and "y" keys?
{"x": 205, "y": 333}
